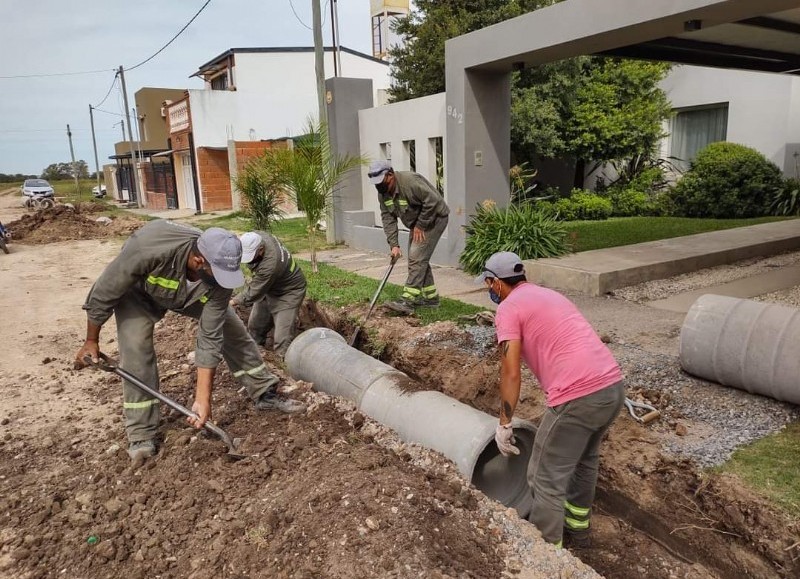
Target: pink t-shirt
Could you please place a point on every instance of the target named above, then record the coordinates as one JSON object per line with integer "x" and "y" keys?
{"x": 558, "y": 344}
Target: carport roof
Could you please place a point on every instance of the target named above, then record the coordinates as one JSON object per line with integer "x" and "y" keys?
{"x": 765, "y": 43}
{"x": 761, "y": 35}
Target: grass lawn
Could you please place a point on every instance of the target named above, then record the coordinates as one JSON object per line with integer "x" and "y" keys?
{"x": 771, "y": 467}
{"x": 618, "y": 231}
{"x": 291, "y": 232}
{"x": 335, "y": 287}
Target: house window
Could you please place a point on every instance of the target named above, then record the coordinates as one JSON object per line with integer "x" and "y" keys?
{"x": 692, "y": 129}
{"x": 220, "y": 82}
{"x": 386, "y": 151}
{"x": 436, "y": 145}
{"x": 411, "y": 154}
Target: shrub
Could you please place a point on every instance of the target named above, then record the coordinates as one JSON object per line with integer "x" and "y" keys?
{"x": 262, "y": 190}
{"x": 629, "y": 202}
{"x": 727, "y": 180}
{"x": 565, "y": 209}
{"x": 787, "y": 200}
{"x": 522, "y": 229}
{"x": 589, "y": 206}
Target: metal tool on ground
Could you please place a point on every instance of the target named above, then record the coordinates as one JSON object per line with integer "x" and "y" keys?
{"x": 110, "y": 365}
{"x": 372, "y": 303}
{"x": 651, "y": 413}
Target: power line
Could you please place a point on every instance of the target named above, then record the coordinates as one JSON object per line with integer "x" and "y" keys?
{"x": 296, "y": 15}
{"x": 113, "y": 82}
{"x": 55, "y": 74}
{"x": 107, "y": 112}
{"x": 203, "y": 7}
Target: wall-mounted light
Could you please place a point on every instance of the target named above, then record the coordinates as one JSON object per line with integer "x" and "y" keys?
{"x": 692, "y": 25}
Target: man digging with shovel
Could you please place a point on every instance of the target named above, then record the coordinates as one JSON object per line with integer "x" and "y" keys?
{"x": 411, "y": 198}
{"x": 170, "y": 266}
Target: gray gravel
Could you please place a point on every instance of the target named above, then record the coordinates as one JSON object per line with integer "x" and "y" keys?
{"x": 664, "y": 288}
{"x": 718, "y": 419}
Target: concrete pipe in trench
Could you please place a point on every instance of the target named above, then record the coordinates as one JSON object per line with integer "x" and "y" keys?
{"x": 463, "y": 434}
{"x": 748, "y": 345}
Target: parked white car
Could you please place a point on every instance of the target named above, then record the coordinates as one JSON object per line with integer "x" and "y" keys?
{"x": 37, "y": 188}
{"x": 99, "y": 191}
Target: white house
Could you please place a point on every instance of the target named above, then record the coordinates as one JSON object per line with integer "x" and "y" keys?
{"x": 253, "y": 99}
{"x": 757, "y": 109}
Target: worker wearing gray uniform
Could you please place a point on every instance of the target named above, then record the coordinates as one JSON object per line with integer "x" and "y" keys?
{"x": 169, "y": 266}
{"x": 411, "y": 198}
{"x": 275, "y": 292}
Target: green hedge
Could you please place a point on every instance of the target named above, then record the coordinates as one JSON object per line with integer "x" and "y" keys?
{"x": 727, "y": 180}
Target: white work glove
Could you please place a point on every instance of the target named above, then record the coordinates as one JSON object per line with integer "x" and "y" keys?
{"x": 504, "y": 437}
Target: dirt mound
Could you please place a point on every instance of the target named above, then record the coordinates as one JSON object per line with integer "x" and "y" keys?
{"x": 316, "y": 493}
{"x": 655, "y": 515}
{"x": 64, "y": 223}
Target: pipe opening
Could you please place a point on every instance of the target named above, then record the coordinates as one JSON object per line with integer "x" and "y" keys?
{"x": 505, "y": 478}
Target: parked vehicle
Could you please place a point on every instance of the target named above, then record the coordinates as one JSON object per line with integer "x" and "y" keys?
{"x": 37, "y": 187}
{"x": 99, "y": 192}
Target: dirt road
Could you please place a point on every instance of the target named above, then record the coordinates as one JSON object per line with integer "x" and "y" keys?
{"x": 328, "y": 493}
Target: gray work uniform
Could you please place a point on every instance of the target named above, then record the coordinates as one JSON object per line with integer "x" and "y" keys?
{"x": 418, "y": 204}
{"x": 276, "y": 292}
{"x": 566, "y": 456}
{"x": 139, "y": 286}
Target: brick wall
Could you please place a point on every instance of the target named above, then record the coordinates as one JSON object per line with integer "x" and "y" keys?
{"x": 215, "y": 179}
{"x": 246, "y": 151}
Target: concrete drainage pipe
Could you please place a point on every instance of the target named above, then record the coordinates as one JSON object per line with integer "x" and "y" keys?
{"x": 749, "y": 345}
{"x": 461, "y": 433}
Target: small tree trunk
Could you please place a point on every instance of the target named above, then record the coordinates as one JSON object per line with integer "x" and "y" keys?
{"x": 580, "y": 173}
{"x": 314, "y": 268}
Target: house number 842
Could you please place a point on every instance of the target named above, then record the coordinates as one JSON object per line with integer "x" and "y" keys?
{"x": 453, "y": 112}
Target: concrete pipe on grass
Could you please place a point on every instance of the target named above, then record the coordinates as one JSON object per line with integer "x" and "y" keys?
{"x": 463, "y": 434}
{"x": 748, "y": 345}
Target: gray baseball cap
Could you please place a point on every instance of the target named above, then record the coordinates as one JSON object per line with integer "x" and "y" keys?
{"x": 378, "y": 170}
{"x": 223, "y": 251}
{"x": 502, "y": 265}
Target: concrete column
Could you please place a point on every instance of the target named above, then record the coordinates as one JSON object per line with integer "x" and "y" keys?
{"x": 478, "y": 145}
{"x": 345, "y": 97}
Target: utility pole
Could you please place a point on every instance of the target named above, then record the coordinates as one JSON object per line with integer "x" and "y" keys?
{"x": 94, "y": 144}
{"x": 74, "y": 168}
{"x": 333, "y": 40}
{"x": 337, "y": 46}
{"x": 319, "y": 61}
{"x": 134, "y": 181}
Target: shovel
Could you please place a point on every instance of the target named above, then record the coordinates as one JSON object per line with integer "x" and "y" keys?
{"x": 633, "y": 406}
{"x": 374, "y": 300}
{"x": 109, "y": 365}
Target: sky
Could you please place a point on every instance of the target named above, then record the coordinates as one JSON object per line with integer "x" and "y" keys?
{"x": 58, "y": 36}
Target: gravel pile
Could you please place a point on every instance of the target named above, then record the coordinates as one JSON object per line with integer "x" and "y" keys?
{"x": 702, "y": 421}
{"x": 664, "y": 288}
{"x": 787, "y": 297}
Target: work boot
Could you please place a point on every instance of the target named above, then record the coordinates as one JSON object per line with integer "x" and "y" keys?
{"x": 401, "y": 306}
{"x": 574, "y": 540}
{"x": 428, "y": 302}
{"x": 275, "y": 401}
{"x": 141, "y": 449}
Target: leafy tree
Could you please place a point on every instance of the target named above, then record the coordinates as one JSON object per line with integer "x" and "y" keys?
{"x": 618, "y": 111}
{"x": 261, "y": 186}
{"x": 592, "y": 109}
{"x": 57, "y": 171}
{"x": 14, "y": 178}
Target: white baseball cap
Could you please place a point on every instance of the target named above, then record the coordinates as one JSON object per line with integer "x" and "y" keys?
{"x": 251, "y": 241}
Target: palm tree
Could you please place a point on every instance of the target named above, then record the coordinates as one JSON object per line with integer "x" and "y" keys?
{"x": 311, "y": 172}
{"x": 262, "y": 189}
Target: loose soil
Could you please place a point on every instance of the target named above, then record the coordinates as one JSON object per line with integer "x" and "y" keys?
{"x": 68, "y": 222}
{"x": 321, "y": 493}
{"x": 656, "y": 515}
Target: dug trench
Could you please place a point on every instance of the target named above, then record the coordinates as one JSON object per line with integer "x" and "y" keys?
{"x": 655, "y": 515}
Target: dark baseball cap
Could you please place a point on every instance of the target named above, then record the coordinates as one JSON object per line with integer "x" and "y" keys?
{"x": 223, "y": 251}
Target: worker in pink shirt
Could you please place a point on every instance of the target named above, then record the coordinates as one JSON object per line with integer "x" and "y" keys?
{"x": 583, "y": 386}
